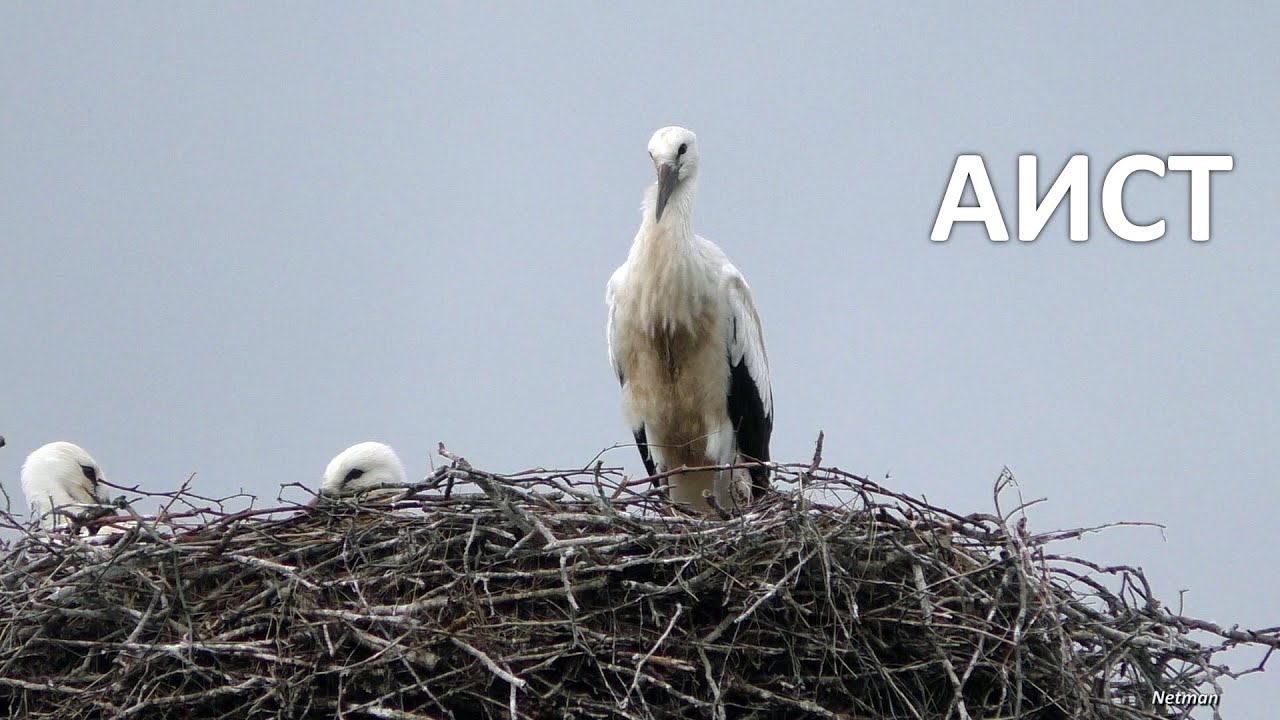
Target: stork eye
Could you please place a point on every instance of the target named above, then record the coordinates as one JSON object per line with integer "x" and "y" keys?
{"x": 353, "y": 475}
{"x": 89, "y": 473}
{"x": 683, "y": 148}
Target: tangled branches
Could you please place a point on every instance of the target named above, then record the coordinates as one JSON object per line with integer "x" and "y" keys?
{"x": 580, "y": 594}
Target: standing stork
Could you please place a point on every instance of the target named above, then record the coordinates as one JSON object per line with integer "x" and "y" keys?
{"x": 686, "y": 343}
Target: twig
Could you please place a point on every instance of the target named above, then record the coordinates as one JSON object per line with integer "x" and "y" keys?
{"x": 641, "y": 660}
{"x": 488, "y": 662}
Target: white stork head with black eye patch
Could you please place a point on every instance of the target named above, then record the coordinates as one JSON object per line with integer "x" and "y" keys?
{"x": 61, "y": 477}
{"x": 362, "y": 467}
{"x": 674, "y": 151}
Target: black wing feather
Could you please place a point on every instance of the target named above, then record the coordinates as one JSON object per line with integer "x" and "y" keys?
{"x": 752, "y": 425}
{"x": 642, "y": 442}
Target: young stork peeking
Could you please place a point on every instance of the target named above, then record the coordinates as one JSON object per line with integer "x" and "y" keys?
{"x": 361, "y": 467}
{"x": 686, "y": 343}
{"x": 62, "y": 478}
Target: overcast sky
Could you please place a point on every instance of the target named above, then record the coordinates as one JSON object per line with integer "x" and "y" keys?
{"x": 235, "y": 239}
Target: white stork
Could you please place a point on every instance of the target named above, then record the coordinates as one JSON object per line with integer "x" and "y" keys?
{"x": 61, "y": 477}
{"x": 362, "y": 467}
{"x": 686, "y": 343}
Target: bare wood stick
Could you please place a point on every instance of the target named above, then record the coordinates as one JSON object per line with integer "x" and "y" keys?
{"x": 488, "y": 662}
{"x": 641, "y": 660}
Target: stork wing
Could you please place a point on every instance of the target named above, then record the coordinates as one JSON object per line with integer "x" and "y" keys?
{"x": 642, "y": 442}
{"x": 750, "y": 395}
{"x": 611, "y": 301}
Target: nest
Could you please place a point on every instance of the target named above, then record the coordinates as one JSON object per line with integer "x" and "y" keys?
{"x": 583, "y": 594}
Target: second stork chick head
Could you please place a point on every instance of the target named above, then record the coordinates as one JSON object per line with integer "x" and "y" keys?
{"x": 361, "y": 467}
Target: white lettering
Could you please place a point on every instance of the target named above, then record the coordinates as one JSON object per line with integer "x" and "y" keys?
{"x": 1032, "y": 218}
{"x": 1200, "y": 166}
{"x": 1113, "y": 198}
{"x": 1072, "y": 186}
{"x": 969, "y": 168}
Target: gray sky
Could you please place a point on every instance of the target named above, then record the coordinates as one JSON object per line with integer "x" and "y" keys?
{"x": 235, "y": 240}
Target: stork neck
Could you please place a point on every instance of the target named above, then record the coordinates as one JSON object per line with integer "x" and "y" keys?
{"x": 673, "y": 278}
{"x": 676, "y": 225}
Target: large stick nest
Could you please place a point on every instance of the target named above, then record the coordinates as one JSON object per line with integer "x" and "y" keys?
{"x": 579, "y": 594}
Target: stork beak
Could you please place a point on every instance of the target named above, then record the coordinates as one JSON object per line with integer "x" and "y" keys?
{"x": 102, "y": 493}
{"x": 668, "y": 178}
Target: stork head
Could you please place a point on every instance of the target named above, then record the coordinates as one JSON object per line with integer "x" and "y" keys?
{"x": 360, "y": 467}
{"x": 61, "y": 474}
{"x": 674, "y": 151}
